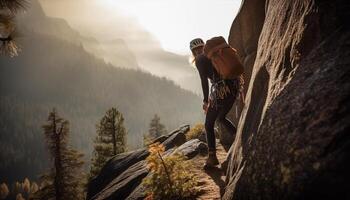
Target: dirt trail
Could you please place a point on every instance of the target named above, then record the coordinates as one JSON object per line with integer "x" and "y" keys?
{"x": 211, "y": 182}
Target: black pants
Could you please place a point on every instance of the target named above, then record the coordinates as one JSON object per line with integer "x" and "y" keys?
{"x": 219, "y": 109}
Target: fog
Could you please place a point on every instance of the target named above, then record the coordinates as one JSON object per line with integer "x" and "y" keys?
{"x": 104, "y": 21}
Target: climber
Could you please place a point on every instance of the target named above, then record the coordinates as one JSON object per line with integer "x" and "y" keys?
{"x": 222, "y": 95}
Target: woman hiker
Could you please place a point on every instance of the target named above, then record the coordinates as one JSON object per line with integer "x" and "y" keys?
{"x": 218, "y": 103}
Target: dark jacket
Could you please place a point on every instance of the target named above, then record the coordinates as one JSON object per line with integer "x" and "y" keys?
{"x": 206, "y": 70}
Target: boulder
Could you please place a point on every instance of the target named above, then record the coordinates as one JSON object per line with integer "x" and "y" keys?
{"x": 176, "y": 138}
{"x": 203, "y": 137}
{"x": 192, "y": 148}
{"x": 113, "y": 168}
{"x": 124, "y": 184}
{"x": 160, "y": 139}
{"x": 292, "y": 139}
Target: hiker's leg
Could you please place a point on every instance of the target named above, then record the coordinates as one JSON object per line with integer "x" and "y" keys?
{"x": 224, "y": 109}
{"x": 210, "y": 118}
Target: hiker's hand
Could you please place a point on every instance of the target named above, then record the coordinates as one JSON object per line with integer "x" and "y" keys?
{"x": 205, "y": 107}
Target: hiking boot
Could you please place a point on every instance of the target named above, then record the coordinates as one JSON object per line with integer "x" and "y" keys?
{"x": 212, "y": 160}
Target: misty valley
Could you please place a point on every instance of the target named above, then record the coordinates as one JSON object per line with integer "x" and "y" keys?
{"x": 54, "y": 70}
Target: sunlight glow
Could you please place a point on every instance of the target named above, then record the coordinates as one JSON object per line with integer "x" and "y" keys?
{"x": 172, "y": 22}
{"x": 175, "y": 23}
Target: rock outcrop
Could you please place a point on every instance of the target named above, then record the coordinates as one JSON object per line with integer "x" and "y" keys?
{"x": 114, "y": 168}
{"x": 292, "y": 140}
{"x": 121, "y": 176}
{"x": 244, "y": 36}
{"x": 191, "y": 148}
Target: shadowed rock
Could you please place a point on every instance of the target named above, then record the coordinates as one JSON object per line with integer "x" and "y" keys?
{"x": 113, "y": 168}
{"x": 292, "y": 140}
{"x": 177, "y": 137}
{"x": 124, "y": 184}
{"x": 244, "y": 36}
{"x": 137, "y": 194}
{"x": 203, "y": 137}
{"x": 226, "y": 138}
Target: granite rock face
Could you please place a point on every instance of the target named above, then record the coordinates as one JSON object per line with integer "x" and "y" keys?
{"x": 244, "y": 36}
{"x": 293, "y": 138}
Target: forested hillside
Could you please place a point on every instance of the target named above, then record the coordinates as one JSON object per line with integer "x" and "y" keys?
{"x": 51, "y": 72}
{"x": 35, "y": 20}
{"x": 117, "y": 38}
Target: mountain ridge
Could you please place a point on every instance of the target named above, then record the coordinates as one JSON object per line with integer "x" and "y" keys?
{"x": 36, "y": 20}
{"x": 145, "y": 48}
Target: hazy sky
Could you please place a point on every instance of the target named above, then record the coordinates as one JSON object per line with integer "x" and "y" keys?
{"x": 176, "y": 22}
{"x": 173, "y": 22}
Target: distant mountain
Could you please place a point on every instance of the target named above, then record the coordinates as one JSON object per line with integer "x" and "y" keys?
{"x": 153, "y": 58}
{"x": 107, "y": 26}
{"x": 35, "y": 20}
{"x": 53, "y": 72}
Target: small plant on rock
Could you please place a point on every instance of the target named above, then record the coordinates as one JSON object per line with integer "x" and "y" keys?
{"x": 195, "y": 131}
{"x": 170, "y": 177}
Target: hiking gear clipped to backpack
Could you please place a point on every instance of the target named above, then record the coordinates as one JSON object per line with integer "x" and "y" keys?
{"x": 224, "y": 58}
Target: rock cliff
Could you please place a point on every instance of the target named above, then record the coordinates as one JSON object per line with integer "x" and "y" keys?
{"x": 292, "y": 140}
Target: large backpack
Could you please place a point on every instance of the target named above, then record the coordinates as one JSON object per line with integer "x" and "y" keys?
{"x": 224, "y": 58}
{"x": 226, "y": 62}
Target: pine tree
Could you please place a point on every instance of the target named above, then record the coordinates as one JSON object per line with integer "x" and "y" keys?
{"x": 110, "y": 139}
{"x": 156, "y": 128}
{"x": 9, "y": 9}
{"x": 63, "y": 182}
{"x": 13, "y": 5}
{"x": 147, "y": 139}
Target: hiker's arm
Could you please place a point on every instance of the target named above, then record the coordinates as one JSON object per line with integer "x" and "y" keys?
{"x": 205, "y": 84}
{"x": 205, "y": 88}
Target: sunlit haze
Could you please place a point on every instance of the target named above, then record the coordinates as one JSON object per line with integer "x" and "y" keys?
{"x": 152, "y": 35}
{"x": 173, "y": 23}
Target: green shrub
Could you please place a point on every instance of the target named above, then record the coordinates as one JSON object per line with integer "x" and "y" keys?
{"x": 170, "y": 177}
